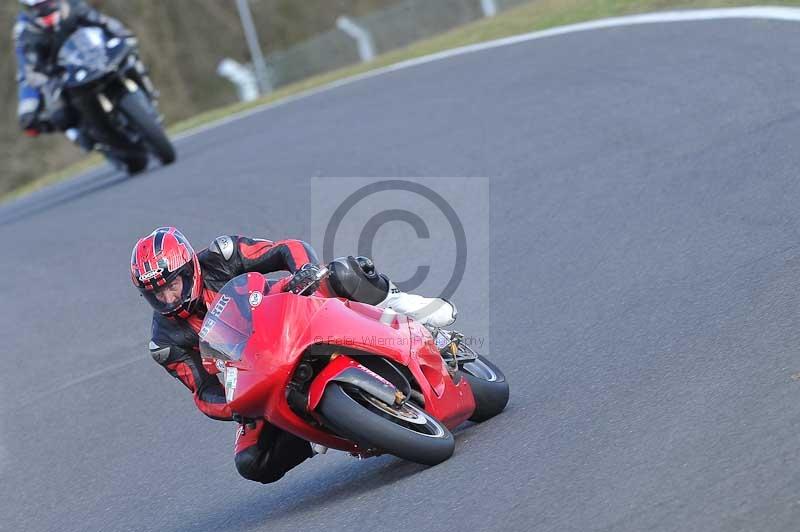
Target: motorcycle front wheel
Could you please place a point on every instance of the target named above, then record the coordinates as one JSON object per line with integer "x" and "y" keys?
{"x": 140, "y": 113}
{"x": 407, "y": 431}
{"x": 131, "y": 164}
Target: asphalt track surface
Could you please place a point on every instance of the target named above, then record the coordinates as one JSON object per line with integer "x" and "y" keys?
{"x": 645, "y": 252}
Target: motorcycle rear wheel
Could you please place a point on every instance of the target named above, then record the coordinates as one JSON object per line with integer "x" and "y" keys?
{"x": 407, "y": 432}
{"x": 489, "y": 388}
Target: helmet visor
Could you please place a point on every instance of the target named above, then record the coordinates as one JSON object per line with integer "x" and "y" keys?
{"x": 43, "y": 8}
{"x": 173, "y": 294}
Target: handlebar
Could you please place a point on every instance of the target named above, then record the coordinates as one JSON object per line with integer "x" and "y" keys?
{"x": 322, "y": 274}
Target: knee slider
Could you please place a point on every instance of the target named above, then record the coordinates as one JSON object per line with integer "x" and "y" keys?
{"x": 248, "y": 462}
{"x": 355, "y": 278}
{"x": 253, "y": 464}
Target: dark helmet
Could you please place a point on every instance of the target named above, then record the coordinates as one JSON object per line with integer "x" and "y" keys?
{"x": 165, "y": 269}
{"x": 46, "y": 14}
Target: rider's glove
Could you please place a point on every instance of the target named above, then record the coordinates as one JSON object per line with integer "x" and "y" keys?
{"x": 28, "y": 122}
{"x": 113, "y": 26}
{"x": 305, "y": 277}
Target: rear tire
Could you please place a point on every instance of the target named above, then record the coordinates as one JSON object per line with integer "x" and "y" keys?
{"x": 139, "y": 111}
{"x": 355, "y": 416}
{"x": 489, "y": 388}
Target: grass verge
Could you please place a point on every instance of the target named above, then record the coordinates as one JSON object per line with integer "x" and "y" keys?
{"x": 537, "y": 15}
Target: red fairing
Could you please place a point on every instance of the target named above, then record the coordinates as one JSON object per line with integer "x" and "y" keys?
{"x": 452, "y": 403}
{"x": 357, "y": 325}
{"x": 282, "y": 326}
{"x": 401, "y": 340}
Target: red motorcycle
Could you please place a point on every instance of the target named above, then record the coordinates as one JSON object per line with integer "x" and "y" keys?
{"x": 346, "y": 375}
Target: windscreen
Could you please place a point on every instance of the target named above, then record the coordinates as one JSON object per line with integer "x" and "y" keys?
{"x": 229, "y": 322}
{"x": 86, "y": 48}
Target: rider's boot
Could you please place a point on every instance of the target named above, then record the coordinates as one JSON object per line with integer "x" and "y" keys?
{"x": 430, "y": 311}
{"x": 356, "y": 278}
{"x": 80, "y": 138}
{"x": 84, "y": 141}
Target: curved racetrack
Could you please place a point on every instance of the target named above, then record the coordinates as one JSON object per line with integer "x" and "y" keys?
{"x": 645, "y": 251}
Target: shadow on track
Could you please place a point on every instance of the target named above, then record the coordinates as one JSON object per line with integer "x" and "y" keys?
{"x": 284, "y": 499}
{"x": 345, "y": 481}
{"x": 60, "y": 194}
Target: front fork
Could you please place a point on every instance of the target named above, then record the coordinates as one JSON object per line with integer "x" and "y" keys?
{"x": 106, "y": 103}
{"x": 141, "y": 75}
{"x": 135, "y": 77}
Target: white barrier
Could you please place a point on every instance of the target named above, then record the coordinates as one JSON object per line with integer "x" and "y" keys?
{"x": 241, "y": 76}
{"x": 366, "y": 48}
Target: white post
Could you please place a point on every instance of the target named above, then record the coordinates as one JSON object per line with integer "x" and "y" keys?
{"x": 366, "y": 48}
{"x": 489, "y": 8}
{"x": 253, "y": 43}
{"x": 241, "y": 76}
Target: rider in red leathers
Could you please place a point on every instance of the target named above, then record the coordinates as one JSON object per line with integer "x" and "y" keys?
{"x": 180, "y": 285}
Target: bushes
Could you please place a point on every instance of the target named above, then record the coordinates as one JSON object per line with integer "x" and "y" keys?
{"x": 182, "y": 42}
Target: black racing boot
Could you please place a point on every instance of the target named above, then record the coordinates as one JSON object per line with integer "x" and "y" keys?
{"x": 356, "y": 278}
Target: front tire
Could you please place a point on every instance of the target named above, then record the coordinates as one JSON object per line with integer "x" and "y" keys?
{"x": 139, "y": 111}
{"x": 135, "y": 164}
{"x": 409, "y": 433}
{"x": 131, "y": 163}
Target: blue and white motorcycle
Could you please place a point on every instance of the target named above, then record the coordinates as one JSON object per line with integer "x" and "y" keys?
{"x": 102, "y": 77}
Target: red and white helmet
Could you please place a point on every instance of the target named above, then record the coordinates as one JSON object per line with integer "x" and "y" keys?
{"x": 157, "y": 262}
{"x": 46, "y": 14}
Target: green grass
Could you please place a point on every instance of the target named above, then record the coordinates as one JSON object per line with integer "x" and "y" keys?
{"x": 537, "y": 15}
